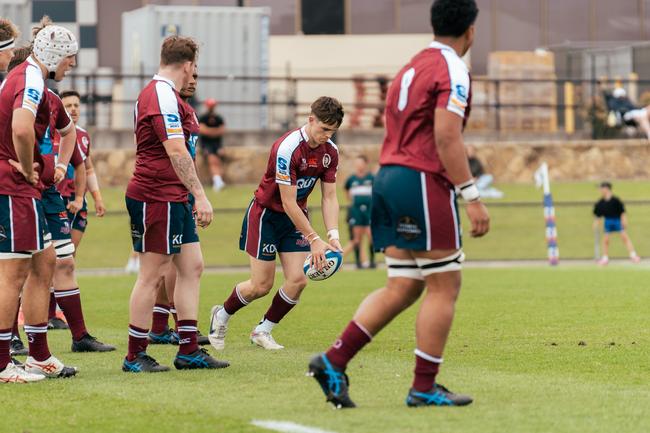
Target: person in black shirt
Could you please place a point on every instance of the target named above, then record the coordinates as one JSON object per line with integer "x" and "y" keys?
{"x": 612, "y": 210}
{"x": 212, "y": 127}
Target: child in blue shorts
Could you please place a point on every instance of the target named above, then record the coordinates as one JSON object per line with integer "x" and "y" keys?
{"x": 612, "y": 210}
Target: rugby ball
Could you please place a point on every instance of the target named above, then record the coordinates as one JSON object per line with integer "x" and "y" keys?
{"x": 334, "y": 261}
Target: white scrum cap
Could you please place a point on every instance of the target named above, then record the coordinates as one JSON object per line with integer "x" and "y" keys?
{"x": 53, "y": 44}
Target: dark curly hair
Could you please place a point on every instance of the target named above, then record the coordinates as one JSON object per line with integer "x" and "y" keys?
{"x": 452, "y": 17}
{"x": 328, "y": 110}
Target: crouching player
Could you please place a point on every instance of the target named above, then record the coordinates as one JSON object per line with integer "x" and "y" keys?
{"x": 163, "y": 227}
{"x": 160, "y": 332}
{"x": 414, "y": 215}
{"x": 276, "y": 222}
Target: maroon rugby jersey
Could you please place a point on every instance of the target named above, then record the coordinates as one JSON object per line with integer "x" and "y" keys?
{"x": 435, "y": 78}
{"x": 23, "y": 87}
{"x": 293, "y": 162}
{"x": 159, "y": 114}
{"x": 81, "y": 152}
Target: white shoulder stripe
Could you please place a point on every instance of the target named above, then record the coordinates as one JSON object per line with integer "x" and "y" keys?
{"x": 283, "y": 158}
{"x": 34, "y": 86}
{"x": 333, "y": 145}
{"x": 168, "y": 104}
{"x": 459, "y": 82}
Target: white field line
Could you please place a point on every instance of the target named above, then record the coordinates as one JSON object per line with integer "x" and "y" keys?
{"x": 287, "y": 427}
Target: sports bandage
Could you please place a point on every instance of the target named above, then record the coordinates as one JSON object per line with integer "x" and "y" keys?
{"x": 333, "y": 234}
{"x": 403, "y": 268}
{"x": 64, "y": 248}
{"x": 437, "y": 266}
{"x": 91, "y": 182}
{"x": 469, "y": 191}
{"x": 8, "y": 44}
{"x": 53, "y": 44}
{"x": 62, "y": 167}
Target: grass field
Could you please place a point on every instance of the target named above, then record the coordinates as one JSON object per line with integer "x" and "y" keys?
{"x": 515, "y": 347}
{"x": 517, "y": 232}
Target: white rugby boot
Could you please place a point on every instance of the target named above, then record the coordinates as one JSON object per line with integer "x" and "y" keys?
{"x": 51, "y": 368}
{"x": 265, "y": 340}
{"x": 14, "y": 374}
{"x": 217, "y": 335}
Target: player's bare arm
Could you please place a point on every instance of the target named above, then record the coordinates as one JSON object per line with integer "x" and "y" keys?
{"x": 289, "y": 193}
{"x": 66, "y": 148}
{"x": 80, "y": 179}
{"x": 330, "y": 205}
{"x": 451, "y": 149}
{"x": 22, "y": 125}
{"x": 93, "y": 186}
{"x": 184, "y": 167}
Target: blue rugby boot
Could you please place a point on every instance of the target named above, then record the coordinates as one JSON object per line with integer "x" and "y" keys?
{"x": 436, "y": 396}
{"x": 198, "y": 359}
{"x": 332, "y": 380}
{"x": 143, "y": 363}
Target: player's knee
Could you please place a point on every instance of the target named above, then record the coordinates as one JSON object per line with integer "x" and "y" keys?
{"x": 262, "y": 287}
{"x": 299, "y": 281}
{"x": 65, "y": 267}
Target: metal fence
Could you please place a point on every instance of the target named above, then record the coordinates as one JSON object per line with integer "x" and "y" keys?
{"x": 568, "y": 106}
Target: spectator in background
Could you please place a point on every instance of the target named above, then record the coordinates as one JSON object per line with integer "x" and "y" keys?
{"x": 612, "y": 210}
{"x": 621, "y": 107}
{"x": 212, "y": 128}
{"x": 483, "y": 179}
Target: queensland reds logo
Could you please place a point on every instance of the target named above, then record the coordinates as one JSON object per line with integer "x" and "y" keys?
{"x": 327, "y": 160}
{"x": 84, "y": 141}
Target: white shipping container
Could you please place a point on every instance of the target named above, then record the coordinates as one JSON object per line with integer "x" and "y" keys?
{"x": 20, "y": 13}
{"x": 234, "y": 42}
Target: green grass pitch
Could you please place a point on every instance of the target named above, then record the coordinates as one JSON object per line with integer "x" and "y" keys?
{"x": 517, "y": 232}
{"x": 515, "y": 347}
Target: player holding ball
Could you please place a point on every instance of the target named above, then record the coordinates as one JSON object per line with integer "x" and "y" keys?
{"x": 276, "y": 222}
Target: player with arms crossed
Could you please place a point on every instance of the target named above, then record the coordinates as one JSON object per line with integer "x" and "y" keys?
{"x": 162, "y": 222}
{"x": 27, "y": 256}
{"x": 414, "y": 216}
{"x": 276, "y": 222}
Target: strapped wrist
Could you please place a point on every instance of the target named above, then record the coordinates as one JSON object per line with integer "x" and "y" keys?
{"x": 333, "y": 234}
{"x": 469, "y": 191}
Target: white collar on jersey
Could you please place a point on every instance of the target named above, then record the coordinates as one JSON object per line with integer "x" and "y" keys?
{"x": 438, "y": 45}
{"x": 31, "y": 61}
{"x": 166, "y": 80}
{"x": 303, "y": 133}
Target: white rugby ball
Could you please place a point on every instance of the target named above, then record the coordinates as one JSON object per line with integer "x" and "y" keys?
{"x": 334, "y": 261}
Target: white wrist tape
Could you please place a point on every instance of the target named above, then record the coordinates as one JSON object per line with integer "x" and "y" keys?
{"x": 333, "y": 234}
{"x": 62, "y": 167}
{"x": 469, "y": 191}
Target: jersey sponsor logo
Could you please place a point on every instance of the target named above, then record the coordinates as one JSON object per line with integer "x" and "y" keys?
{"x": 306, "y": 182}
{"x": 3, "y": 234}
{"x": 327, "y": 160}
{"x": 191, "y": 144}
{"x": 269, "y": 249}
{"x": 33, "y": 95}
{"x": 461, "y": 93}
{"x": 177, "y": 239}
{"x": 302, "y": 242}
{"x": 135, "y": 233}
{"x": 173, "y": 124}
{"x": 408, "y": 228}
{"x": 303, "y": 164}
{"x": 459, "y": 97}
{"x": 282, "y": 170}
{"x": 84, "y": 141}
{"x": 313, "y": 162}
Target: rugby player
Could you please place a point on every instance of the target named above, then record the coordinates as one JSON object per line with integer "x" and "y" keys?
{"x": 414, "y": 215}
{"x": 163, "y": 226}
{"x": 276, "y": 222}
{"x": 359, "y": 189}
{"x": 27, "y": 256}
{"x": 76, "y": 204}
{"x": 8, "y": 35}
{"x": 160, "y": 332}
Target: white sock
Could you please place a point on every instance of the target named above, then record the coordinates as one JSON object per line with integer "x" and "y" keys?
{"x": 223, "y": 316}
{"x": 633, "y": 254}
{"x": 215, "y": 180}
{"x": 265, "y": 326}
